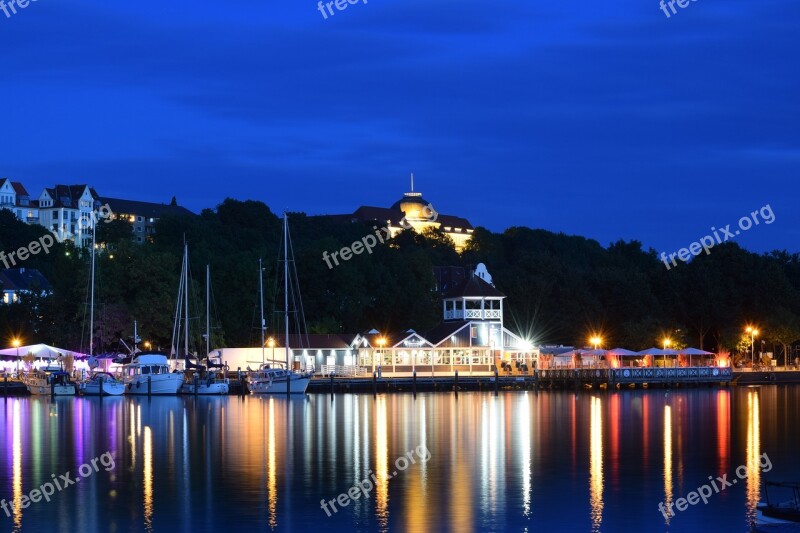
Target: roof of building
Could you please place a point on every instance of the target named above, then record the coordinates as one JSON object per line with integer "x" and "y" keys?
{"x": 23, "y": 279}
{"x": 145, "y": 209}
{"x": 315, "y": 341}
{"x": 407, "y": 198}
{"x": 444, "y": 330}
{"x": 394, "y": 216}
{"x": 67, "y": 196}
{"x": 474, "y": 287}
{"x": 19, "y": 188}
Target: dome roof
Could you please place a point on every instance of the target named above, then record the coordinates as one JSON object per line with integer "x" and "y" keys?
{"x": 411, "y": 198}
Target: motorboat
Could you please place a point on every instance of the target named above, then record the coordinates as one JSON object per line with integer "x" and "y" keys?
{"x": 780, "y": 512}
{"x": 49, "y": 380}
{"x": 152, "y": 368}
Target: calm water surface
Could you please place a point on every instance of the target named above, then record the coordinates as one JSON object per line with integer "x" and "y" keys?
{"x": 552, "y": 461}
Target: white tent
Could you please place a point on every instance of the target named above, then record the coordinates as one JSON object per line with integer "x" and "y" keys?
{"x": 41, "y": 351}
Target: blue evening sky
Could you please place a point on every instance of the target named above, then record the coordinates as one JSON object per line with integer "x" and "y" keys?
{"x": 604, "y": 119}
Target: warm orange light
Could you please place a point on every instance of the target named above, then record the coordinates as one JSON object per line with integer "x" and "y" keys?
{"x": 16, "y": 343}
{"x": 667, "y": 342}
{"x": 382, "y": 341}
{"x": 271, "y": 342}
{"x": 596, "y": 341}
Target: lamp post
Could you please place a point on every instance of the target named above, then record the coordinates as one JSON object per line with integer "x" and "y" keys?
{"x": 596, "y": 342}
{"x": 753, "y": 332}
{"x": 381, "y": 343}
{"x": 271, "y": 344}
{"x": 667, "y": 343}
{"x": 16, "y": 344}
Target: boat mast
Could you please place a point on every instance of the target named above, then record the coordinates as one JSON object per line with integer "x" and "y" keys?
{"x": 91, "y": 304}
{"x": 261, "y": 299}
{"x": 286, "y": 289}
{"x": 186, "y": 298}
{"x": 208, "y": 310}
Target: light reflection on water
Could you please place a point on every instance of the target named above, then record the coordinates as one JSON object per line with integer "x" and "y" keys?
{"x": 599, "y": 461}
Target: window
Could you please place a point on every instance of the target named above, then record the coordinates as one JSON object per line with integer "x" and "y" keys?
{"x": 55, "y": 215}
{"x": 138, "y": 239}
{"x": 139, "y": 229}
{"x": 138, "y": 219}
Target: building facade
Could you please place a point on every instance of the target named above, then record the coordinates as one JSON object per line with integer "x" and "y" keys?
{"x": 414, "y": 212}
{"x": 68, "y": 211}
{"x": 143, "y": 216}
{"x": 15, "y": 198}
{"x": 18, "y": 282}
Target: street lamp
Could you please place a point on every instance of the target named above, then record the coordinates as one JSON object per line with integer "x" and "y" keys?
{"x": 753, "y": 333}
{"x": 271, "y": 344}
{"x": 596, "y": 341}
{"x": 381, "y": 343}
{"x": 16, "y": 343}
{"x": 667, "y": 343}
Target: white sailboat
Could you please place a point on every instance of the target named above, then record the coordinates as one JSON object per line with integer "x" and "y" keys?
{"x": 199, "y": 379}
{"x": 271, "y": 378}
{"x": 100, "y": 383}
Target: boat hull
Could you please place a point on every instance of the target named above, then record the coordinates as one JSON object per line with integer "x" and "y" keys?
{"x": 161, "y": 384}
{"x": 296, "y": 386}
{"x": 59, "y": 390}
{"x": 215, "y": 389}
{"x": 109, "y": 389}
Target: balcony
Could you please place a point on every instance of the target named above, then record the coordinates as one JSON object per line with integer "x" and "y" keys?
{"x": 472, "y": 314}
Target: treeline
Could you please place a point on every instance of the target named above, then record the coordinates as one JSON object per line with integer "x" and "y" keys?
{"x": 560, "y": 289}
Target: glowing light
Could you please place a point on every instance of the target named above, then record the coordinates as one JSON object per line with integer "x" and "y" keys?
{"x": 147, "y": 453}
{"x": 596, "y": 463}
{"x": 753, "y": 454}
{"x": 596, "y": 341}
{"x": 667, "y": 457}
{"x": 16, "y": 343}
{"x": 667, "y": 343}
{"x": 17, "y": 466}
{"x": 382, "y": 464}
{"x": 272, "y": 477}
{"x": 271, "y": 342}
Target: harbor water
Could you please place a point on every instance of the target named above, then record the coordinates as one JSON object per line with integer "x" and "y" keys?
{"x": 520, "y": 461}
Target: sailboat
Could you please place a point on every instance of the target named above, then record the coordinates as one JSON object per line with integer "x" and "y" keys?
{"x": 199, "y": 379}
{"x": 272, "y": 378}
{"x": 100, "y": 383}
{"x": 150, "y": 372}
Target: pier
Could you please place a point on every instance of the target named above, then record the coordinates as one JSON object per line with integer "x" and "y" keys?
{"x": 568, "y": 378}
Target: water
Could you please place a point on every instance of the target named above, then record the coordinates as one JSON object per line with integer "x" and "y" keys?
{"x": 552, "y": 461}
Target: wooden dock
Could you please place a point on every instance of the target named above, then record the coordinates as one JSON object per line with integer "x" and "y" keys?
{"x": 582, "y": 378}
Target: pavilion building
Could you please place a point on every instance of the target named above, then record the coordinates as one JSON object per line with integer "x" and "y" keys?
{"x": 412, "y": 211}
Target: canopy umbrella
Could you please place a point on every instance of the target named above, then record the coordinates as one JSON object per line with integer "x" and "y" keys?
{"x": 693, "y": 351}
{"x": 622, "y": 352}
{"x": 658, "y": 351}
{"x": 594, "y": 352}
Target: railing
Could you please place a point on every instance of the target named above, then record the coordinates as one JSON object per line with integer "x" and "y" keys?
{"x": 477, "y": 314}
{"x": 640, "y": 375}
{"x": 345, "y": 371}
